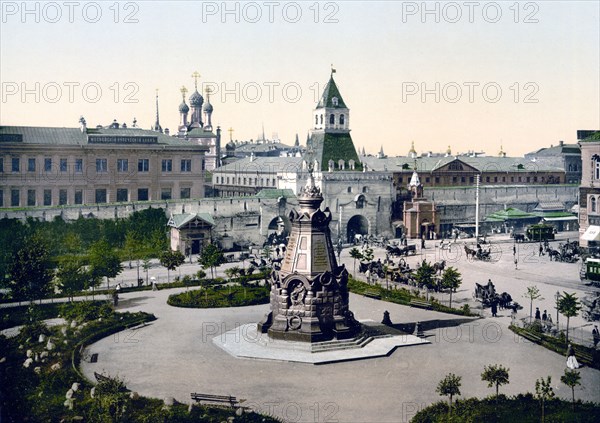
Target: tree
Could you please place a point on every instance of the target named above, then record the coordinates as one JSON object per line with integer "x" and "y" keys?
{"x": 367, "y": 254}
{"x": 72, "y": 278}
{"x": 568, "y": 306}
{"x": 146, "y": 267}
{"x": 543, "y": 392}
{"x": 131, "y": 246}
{"x": 424, "y": 274}
{"x": 104, "y": 261}
{"x": 495, "y": 374}
{"x": 355, "y": 254}
{"x": 211, "y": 256}
{"x": 111, "y": 400}
{"x": 571, "y": 378}
{"x": 171, "y": 260}
{"x": 449, "y": 386}
{"x": 533, "y": 293}
{"x": 451, "y": 279}
{"x": 233, "y": 272}
{"x": 30, "y": 270}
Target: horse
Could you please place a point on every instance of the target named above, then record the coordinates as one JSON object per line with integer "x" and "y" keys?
{"x": 439, "y": 266}
{"x": 470, "y": 252}
{"x": 555, "y": 254}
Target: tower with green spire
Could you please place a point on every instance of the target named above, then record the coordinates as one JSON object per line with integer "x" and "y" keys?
{"x": 332, "y": 145}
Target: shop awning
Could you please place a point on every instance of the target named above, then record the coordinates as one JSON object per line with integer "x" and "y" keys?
{"x": 559, "y": 219}
{"x": 592, "y": 233}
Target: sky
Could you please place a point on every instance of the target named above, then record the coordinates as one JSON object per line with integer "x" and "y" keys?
{"x": 469, "y": 75}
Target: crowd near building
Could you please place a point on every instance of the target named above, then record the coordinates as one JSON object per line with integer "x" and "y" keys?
{"x": 420, "y": 195}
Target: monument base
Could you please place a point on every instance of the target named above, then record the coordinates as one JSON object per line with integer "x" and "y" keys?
{"x": 373, "y": 340}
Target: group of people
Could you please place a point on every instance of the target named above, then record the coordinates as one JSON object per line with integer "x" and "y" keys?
{"x": 545, "y": 319}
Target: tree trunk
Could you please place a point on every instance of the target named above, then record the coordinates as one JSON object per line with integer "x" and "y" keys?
{"x": 450, "y": 297}
{"x": 573, "y": 391}
{"x": 168, "y": 275}
{"x": 530, "y": 310}
{"x": 568, "y": 318}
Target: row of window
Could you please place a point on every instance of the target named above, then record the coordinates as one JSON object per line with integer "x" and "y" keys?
{"x": 495, "y": 179}
{"x": 319, "y": 119}
{"x": 246, "y": 181}
{"x": 143, "y": 165}
{"x": 364, "y": 190}
{"x": 100, "y": 196}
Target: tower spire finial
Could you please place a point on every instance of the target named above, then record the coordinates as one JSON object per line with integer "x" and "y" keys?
{"x": 157, "y": 126}
{"x": 196, "y": 75}
{"x": 183, "y": 90}
{"x": 230, "y": 130}
{"x": 332, "y": 70}
{"x": 208, "y": 90}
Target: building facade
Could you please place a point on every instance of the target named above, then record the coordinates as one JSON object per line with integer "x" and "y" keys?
{"x": 42, "y": 166}
{"x": 589, "y": 191}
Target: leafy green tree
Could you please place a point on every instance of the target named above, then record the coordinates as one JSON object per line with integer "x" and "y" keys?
{"x": 72, "y": 278}
{"x": 104, "y": 261}
{"x": 146, "y": 266}
{"x": 543, "y": 392}
{"x": 233, "y": 272}
{"x": 568, "y": 306}
{"x": 30, "y": 270}
{"x": 111, "y": 401}
{"x": 210, "y": 257}
{"x": 356, "y": 255}
{"x": 131, "y": 247}
{"x": 367, "y": 255}
{"x": 451, "y": 279}
{"x": 449, "y": 386}
{"x": 73, "y": 243}
{"x": 495, "y": 374}
{"x": 425, "y": 274}
{"x": 532, "y": 293}
{"x": 171, "y": 260}
{"x": 571, "y": 378}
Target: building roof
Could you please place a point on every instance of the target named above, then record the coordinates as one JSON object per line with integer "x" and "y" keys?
{"x": 333, "y": 146}
{"x": 330, "y": 92}
{"x": 556, "y": 150}
{"x": 261, "y": 147}
{"x": 180, "y": 220}
{"x": 510, "y": 213}
{"x": 200, "y": 133}
{"x": 74, "y": 136}
{"x": 483, "y": 164}
{"x": 262, "y": 164}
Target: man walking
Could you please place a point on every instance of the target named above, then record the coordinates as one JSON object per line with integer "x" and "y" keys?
{"x": 595, "y": 335}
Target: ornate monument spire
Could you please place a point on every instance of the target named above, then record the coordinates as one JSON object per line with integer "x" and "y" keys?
{"x": 157, "y": 127}
{"x": 309, "y": 294}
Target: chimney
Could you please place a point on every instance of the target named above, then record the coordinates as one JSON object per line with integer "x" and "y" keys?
{"x": 561, "y": 143}
{"x": 167, "y": 131}
{"x": 83, "y": 125}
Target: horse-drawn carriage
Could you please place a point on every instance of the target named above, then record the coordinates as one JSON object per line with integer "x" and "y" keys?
{"x": 487, "y": 295}
{"x": 479, "y": 253}
{"x": 536, "y": 233}
{"x": 396, "y": 251}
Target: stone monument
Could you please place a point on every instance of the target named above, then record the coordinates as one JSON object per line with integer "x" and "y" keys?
{"x": 309, "y": 294}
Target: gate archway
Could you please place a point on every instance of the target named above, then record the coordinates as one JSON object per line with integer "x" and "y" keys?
{"x": 357, "y": 225}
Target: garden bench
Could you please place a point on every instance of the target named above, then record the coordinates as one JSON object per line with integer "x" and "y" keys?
{"x": 372, "y": 294}
{"x": 584, "y": 357}
{"x": 232, "y": 402}
{"x": 420, "y": 304}
{"x": 531, "y": 336}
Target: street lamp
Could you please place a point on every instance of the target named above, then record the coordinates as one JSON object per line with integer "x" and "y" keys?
{"x": 557, "y": 298}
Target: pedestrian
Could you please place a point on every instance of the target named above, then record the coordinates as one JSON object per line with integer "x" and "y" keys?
{"x": 368, "y": 275}
{"x": 514, "y": 250}
{"x": 544, "y": 316}
{"x": 423, "y": 242}
{"x": 277, "y": 251}
{"x": 541, "y": 250}
{"x": 537, "y": 313}
{"x": 595, "y": 335}
{"x": 513, "y": 315}
{"x": 571, "y": 360}
{"x": 494, "y": 307}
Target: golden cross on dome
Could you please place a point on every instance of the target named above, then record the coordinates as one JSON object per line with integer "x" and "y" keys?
{"x": 230, "y": 134}
{"x": 208, "y": 90}
{"x": 196, "y": 75}
{"x": 183, "y": 90}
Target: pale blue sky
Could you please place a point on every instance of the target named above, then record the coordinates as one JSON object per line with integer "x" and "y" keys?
{"x": 375, "y": 53}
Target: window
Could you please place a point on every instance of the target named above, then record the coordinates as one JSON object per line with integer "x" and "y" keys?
{"x": 122, "y": 165}
{"x": 47, "y": 197}
{"x": 455, "y": 166}
{"x": 63, "y": 165}
{"x": 512, "y": 178}
{"x": 427, "y": 179}
{"x": 454, "y": 179}
{"x": 31, "y": 197}
{"x": 365, "y": 189}
{"x": 31, "y": 165}
{"x": 274, "y": 183}
{"x": 167, "y": 166}
{"x": 349, "y": 190}
{"x": 185, "y": 193}
{"x": 143, "y": 165}
{"x": 471, "y": 179}
{"x": 78, "y": 165}
{"x": 495, "y": 179}
{"x": 334, "y": 101}
{"x": 437, "y": 179}
{"x": 321, "y": 119}
{"x": 1, "y": 164}
{"x": 360, "y": 202}
{"x": 504, "y": 178}
{"x": 463, "y": 179}
{"x": 101, "y": 195}
{"x": 47, "y": 164}
{"x": 244, "y": 181}
{"x": 520, "y": 179}
{"x": 487, "y": 178}
{"x": 15, "y": 198}
{"x": 342, "y": 119}
{"x": 101, "y": 166}
{"x": 186, "y": 165}
{"x": 316, "y": 120}
{"x": 142, "y": 194}
{"x": 331, "y": 119}
{"x": 535, "y": 179}
{"x": 165, "y": 194}
{"x": 228, "y": 179}
{"x": 16, "y": 164}
{"x": 1, "y": 198}
{"x": 78, "y": 196}
{"x": 597, "y": 168}
{"x": 593, "y": 204}
{"x": 122, "y": 195}
{"x": 202, "y": 165}
{"x": 62, "y": 197}
{"x": 528, "y": 179}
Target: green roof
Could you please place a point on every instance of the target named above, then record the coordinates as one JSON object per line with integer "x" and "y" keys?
{"x": 200, "y": 133}
{"x": 554, "y": 214}
{"x": 275, "y": 193}
{"x": 334, "y": 146}
{"x": 180, "y": 220}
{"x": 509, "y": 214}
{"x": 331, "y": 91}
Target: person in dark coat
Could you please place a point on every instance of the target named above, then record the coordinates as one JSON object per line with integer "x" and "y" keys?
{"x": 494, "y": 307}
{"x": 537, "y": 313}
